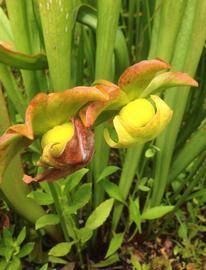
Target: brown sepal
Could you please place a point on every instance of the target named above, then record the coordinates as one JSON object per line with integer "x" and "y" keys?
{"x": 77, "y": 154}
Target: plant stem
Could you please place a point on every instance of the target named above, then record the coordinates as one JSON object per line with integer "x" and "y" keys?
{"x": 58, "y": 19}
{"x": 108, "y": 14}
{"x": 27, "y": 40}
{"x": 59, "y": 209}
{"x": 12, "y": 90}
{"x": 129, "y": 169}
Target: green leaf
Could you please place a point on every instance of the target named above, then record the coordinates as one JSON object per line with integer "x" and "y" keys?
{"x": 156, "y": 212}
{"x": 26, "y": 249}
{"x": 183, "y": 231}
{"x": 5, "y": 28}
{"x": 53, "y": 259}
{"x": 113, "y": 190}
{"x": 44, "y": 267}
{"x": 143, "y": 188}
{"x": 80, "y": 198}
{"x": 115, "y": 244}
{"x": 7, "y": 238}
{"x": 74, "y": 179}
{"x": 21, "y": 237}
{"x": 54, "y": 30}
{"x": 3, "y": 264}
{"x": 84, "y": 234}
{"x": 107, "y": 172}
{"x": 61, "y": 249}
{"x": 135, "y": 263}
{"x": 109, "y": 261}
{"x": 15, "y": 264}
{"x": 6, "y": 252}
{"x": 50, "y": 219}
{"x": 135, "y": 213}
{"x": 41, "y": 198}
{"x": 22, "y": 61}
{"x": 100, "y": 214}
{"x": 200, "y": 194}
{"x": 150, "y": 153}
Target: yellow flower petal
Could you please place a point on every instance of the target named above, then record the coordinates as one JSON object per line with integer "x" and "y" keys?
{"x": 129, "y": 133}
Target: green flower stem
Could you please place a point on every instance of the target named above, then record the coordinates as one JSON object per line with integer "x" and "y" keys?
{"x": 66, "y": 220}
{"x": 129, "y": 169}
{"x": 76, "y": 239}
{"x": 131, "y": 32}
{"x": 27, "y": 40}
{"x": 121, "y": 55}
{"x": 108, "y": 14}
{"x": 14, "y": 188}
{"x": 163, "y": 29}
{"x": 12, "y": 89}
{"x": 4, "y": 123}
{"x": 59, "y": 210}
{"x": 189, "y": 45}
{"x": 89, "y": 49}
{"x": 155, "y": 29}
{"x": 58, "y": 19}
{"x": 88, "y": 17}
{"x": 99, "y": 162}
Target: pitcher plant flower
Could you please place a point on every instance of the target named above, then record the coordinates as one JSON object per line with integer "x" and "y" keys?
{"x": 63, "y": 121}
{"x": 53, "y": 118}
{"x": 138, "y": 114}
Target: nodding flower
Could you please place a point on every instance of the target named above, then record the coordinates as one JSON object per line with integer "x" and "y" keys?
{"x": 67, "y": 144}
{"x": 138, "y": 115}
{"x": 63, "y": 121}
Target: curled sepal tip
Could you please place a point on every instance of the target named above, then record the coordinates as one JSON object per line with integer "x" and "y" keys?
{"x": 148, "y": 124}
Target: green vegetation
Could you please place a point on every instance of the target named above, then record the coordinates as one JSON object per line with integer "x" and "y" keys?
{"x": 103, "y": 144}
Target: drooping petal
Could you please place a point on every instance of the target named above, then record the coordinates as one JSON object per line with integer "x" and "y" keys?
{"x": 20, "y": 60}
{"x": 117, "y": 99}
{"x": 48, "y": 110}
{"x": 129, "y": 135}
{"x": 10, "y": 145}
{"x": 21, "y": 129}
{"x": 51, "y": 174}
{"x": 137, "y": 77}
{"x": 77, "y": 153}
{"x": 124, "y": 138}
{"x": 167, "y": 80}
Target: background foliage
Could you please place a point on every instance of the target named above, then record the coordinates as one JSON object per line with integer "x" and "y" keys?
{"x": 57, "y": 44}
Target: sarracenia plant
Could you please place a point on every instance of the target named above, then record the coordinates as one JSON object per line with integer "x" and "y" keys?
{"x": 48, "y": 50}
{"x": 66, "y": 138}
{"x": 66, "y": 141}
